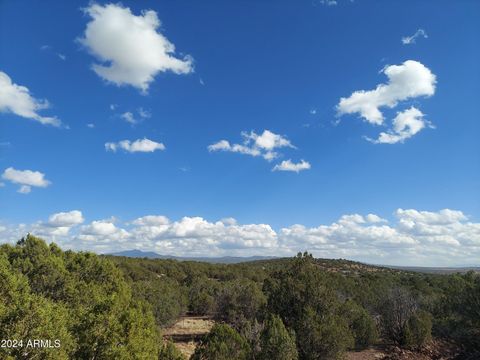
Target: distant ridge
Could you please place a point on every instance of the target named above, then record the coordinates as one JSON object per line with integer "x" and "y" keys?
{"x": 134, "y": 253}
{"x": 214, "y": 260}
{"x": 436, "y": 269}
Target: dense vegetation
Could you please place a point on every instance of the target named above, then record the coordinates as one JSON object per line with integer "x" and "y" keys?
{"x": 299, "y": 308}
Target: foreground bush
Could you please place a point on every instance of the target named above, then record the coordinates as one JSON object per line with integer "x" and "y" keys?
{"x": 78, "y": 298}
{"x": 418, "y": 330}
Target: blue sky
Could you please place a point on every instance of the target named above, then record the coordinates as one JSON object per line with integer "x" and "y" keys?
{"x": 242, "y": 66}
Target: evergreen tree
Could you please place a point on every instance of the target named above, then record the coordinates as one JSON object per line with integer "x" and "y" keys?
{"x": 276, "y": 342}
{"x": 79, "y": 299}
{"x": 301, "y": 295}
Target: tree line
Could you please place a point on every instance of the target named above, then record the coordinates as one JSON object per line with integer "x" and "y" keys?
{"x": 104, "y": 307}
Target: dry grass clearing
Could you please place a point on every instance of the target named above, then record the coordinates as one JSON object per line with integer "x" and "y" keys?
{"x": 187, "y": 332}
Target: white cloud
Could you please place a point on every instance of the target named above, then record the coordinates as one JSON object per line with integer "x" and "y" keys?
{"x": 61, "y": 56}
{"x": 442, "y": 238}
{"x": 130, "y": 118}
{"x": 329, "y": 2}
{"x": 16, "y": 99}
{"x": 130, "y": 49}
{"x": 90, "y": 125}
{"x": 442, "y": 217}
{"x": 372, "y": 218}
{"x": 324, "y": 2}
{"x": 222, "y": 145}
{"x": 198, "y": 236}
{"x": 406, "y": 40}
{"x": 144, "y": 114}
{"x": 255, "y": 145}
{"x": 406, "y": 124}
{"x": 24, "y": 189}
{"x": 57, "y": 228}
{"x": 152, "y": 220}
{"x": 288, "y": 165}
{"x": 447, "y": 227}
{"x": 102, "y": 231}
{"x": 66, "y": 219}
{"x": 25, "y": 178}
{"x": 408, "y": 80}
{"x": 139, "y": 145}
{"x": 268, "y": 140}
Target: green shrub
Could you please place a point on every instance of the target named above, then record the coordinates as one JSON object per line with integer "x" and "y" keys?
{"x": 170, "y": 352}
{"x": 323, "y": 337}
{"x": 361, "y": 324}
{"x": 418, "y": 330}
{"x": 222, "y": 343}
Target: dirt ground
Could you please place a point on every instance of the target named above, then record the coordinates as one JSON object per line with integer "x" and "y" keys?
{"x": 435, "y": 350}
{"x": 368, "y": 354}
{"x": 187, "y": 332}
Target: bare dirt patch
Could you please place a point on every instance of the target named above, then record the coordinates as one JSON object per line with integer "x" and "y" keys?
{"x": 187, "y": 332}
{"x": 435, "y": 350}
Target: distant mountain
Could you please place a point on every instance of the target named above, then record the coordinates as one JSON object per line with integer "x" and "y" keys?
{"x": 140, "y": 254}
{"x": 214, "y": 260}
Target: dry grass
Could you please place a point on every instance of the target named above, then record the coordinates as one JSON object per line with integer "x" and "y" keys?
{"x": 186, "y": 332}
{"x": 190, "y": 325}
{"x": 186, "y": 348}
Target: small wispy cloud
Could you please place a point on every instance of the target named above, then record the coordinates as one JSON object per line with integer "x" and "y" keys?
{"x": 141, "y": 114}
{"x": 140, "y": 145}
{"x": 288, "y": 165}
{"x": 50, "y": 49}
{"x": 144, "y": 114}
{"x": 129, "y": 118}
{"x": 407, "y": 40}
{"x": 325, "y": 2}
